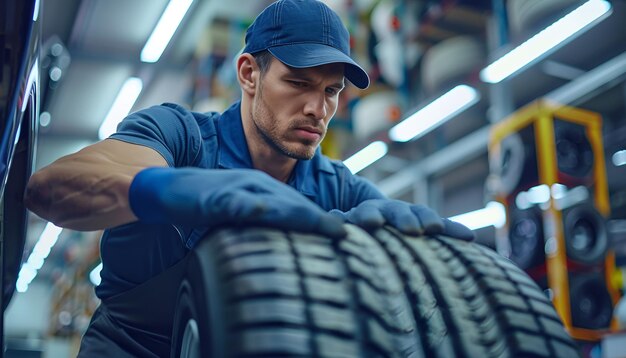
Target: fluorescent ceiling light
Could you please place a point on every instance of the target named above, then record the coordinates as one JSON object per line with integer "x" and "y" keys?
{"x": 40, "y": 252}
{"x": 435, "y": 113}
{"x": 164, "y": 30}
{"x": 121, "y": 106}
{"x": 94, "y": 275}
{"x": 366, "y": 156}
{"x": 493, "y": 214}
{"x": 539, "y": 194}
{"x": 558, "y": 191}
{"x": 571, "y": 197}
{"x": 619, "y": 158}
{"x": 548, "y": 39}
{"x": 36, "y": 11}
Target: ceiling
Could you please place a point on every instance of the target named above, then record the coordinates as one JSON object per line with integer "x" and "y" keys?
{"x": 102, "y": 41}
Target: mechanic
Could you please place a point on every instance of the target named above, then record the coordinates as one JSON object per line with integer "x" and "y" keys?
{"x": 159, "y": 184}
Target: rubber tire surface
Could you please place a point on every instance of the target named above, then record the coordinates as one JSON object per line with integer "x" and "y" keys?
{"x": 526, "y": 238}
{"x": 451, "y": 61}
{"x": 586, "y": 215}
{"x": 269, "y": 293}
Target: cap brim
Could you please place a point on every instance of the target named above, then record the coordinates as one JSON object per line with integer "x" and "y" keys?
{"x": 310, "y": 55}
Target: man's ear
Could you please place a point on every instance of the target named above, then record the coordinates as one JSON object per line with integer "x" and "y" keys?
{"x": 248, "y": 73}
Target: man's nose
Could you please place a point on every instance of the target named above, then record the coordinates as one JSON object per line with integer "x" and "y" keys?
{"x": 316, "y": 106}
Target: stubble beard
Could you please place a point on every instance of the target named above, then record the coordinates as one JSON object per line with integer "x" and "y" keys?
{"x": 264, "y": 122}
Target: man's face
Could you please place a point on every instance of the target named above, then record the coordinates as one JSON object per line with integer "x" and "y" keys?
{"x": 292, "y": 107}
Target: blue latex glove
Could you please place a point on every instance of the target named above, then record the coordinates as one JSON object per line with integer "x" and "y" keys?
{"x": 208, "y": 198}
{"x": 410, "y": 219}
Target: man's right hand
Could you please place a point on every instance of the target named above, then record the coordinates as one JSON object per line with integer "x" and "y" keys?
{"x": 210, "y": 197}
{"x": 410, "y": 219}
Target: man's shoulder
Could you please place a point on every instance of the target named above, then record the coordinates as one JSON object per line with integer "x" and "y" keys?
{"x": 170, "y": 114}
{"x": 182, "y": 110}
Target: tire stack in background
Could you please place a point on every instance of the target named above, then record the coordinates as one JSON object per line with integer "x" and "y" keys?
{"x": 548, "y": 165}
{"x": 451, "y": 62}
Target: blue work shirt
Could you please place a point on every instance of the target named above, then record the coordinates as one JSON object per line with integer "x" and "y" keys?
{"x": 133, "y": 253}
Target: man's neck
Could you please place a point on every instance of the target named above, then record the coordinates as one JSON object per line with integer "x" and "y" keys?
{"x": 278, "y": 166}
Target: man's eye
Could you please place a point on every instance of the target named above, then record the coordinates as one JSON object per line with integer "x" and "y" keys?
{"x": 298, "y": 83}
{"x": 332, "y": 91}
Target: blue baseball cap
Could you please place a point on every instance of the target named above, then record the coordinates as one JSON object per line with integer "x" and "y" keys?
{"x": 304, "y": 33}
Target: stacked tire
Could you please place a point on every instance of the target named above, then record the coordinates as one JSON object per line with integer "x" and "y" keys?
{"x": 269, "y": 293}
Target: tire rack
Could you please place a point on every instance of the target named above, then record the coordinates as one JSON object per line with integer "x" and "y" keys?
{"x": 541, "y": 114}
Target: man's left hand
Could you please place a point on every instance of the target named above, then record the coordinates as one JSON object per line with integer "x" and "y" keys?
{"x": 410, "y": 219}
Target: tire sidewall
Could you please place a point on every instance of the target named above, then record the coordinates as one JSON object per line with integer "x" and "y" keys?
{"x": 200, "y": 299}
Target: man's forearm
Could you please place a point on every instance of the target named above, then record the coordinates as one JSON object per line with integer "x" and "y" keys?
{"x": 80, "y": 197}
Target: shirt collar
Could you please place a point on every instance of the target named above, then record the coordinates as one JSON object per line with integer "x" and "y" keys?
{"x": 234, "y": 153}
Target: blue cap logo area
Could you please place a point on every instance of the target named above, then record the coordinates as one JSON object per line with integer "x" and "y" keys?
{"x": 304, "y": 33}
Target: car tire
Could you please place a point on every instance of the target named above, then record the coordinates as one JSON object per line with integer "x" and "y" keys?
{"x": 586, "y": 238}
{"x": 590, "y": 301}
{"x": 527, "y": 238}
{"x": 264, "y": 292}
{"x": 450, "y": 62}
{"x": 187, "y": 333}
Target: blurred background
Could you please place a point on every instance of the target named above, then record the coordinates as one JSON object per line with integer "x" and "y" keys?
{"x": 506, "y": 115}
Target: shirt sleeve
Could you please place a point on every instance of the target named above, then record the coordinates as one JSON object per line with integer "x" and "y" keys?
{"x": 169, "y": 129}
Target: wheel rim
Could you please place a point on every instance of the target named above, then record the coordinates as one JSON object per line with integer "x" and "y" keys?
{"x": 190, "y": 347}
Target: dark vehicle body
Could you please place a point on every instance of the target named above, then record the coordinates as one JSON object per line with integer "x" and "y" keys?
{"x": 20, "y": 31}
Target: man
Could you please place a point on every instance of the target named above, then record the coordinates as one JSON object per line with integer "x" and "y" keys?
{"x": 159, "y": 184}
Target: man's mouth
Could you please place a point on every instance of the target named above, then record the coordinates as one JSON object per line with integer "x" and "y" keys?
{"x": 314, "y": 130}
{"x": 309, "y": 133}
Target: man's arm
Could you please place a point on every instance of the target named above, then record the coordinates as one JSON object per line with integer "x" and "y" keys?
{"x": 88, "y": 190}
{"x": 113, "y": 183}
